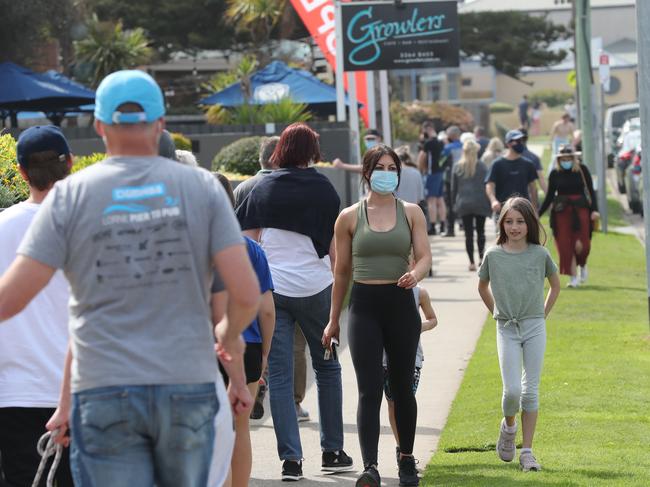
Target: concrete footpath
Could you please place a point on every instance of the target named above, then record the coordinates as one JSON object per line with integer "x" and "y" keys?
{"x": 447, "y": 350}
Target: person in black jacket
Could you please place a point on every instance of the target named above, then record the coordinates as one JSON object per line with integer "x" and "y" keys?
{"x": 573, "y": 210}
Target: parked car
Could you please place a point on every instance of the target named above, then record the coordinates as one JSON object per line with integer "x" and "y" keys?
{"x": 615, "y": 118}
{"x": 634, "y": 183}
{"x": 626, "y": 153}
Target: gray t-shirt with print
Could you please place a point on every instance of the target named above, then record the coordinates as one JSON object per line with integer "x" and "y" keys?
{"x": 135, "y": 237}
{"x": 517, "y": 281}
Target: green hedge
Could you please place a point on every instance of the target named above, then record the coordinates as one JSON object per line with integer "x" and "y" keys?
{"x": 242, "y": 157}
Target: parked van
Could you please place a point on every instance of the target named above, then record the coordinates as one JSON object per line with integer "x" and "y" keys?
{"x": 615, "y": 117}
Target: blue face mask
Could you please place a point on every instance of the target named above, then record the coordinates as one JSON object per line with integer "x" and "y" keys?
{"x": 566, "y": 165}
{"x": 370, "y": 143}
{"x": 383, "y": 182}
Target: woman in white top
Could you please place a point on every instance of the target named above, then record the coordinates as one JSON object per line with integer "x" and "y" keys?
{"x": 292, "y": 212}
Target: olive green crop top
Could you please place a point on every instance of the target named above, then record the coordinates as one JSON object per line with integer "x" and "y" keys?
{"x": 380, "y": 255}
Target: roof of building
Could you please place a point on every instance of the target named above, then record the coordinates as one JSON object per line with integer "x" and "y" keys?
{"x": 535, "y": 5}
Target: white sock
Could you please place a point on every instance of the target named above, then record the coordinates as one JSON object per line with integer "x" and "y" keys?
{"x": 509, "y": 429}
{"x": 526, "y": 450}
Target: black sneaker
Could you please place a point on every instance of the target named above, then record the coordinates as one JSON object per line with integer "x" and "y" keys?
{"x": 291, "y": 471}
{"x": 258, "y": 408}
{"x": 336, "y": 461}
{"x": 369, "y": 478}
{"x": 432, "y": 230}
{"x": 442, "y": 228}
{"x": 408, "y": 474}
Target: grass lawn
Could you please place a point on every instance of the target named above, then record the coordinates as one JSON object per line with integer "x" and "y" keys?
{"x": 594, "y": 426}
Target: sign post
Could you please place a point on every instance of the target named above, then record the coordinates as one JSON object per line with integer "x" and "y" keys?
{"x": 604, "y": 74}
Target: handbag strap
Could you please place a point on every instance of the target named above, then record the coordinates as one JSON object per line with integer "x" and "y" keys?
{"x": 586, "y": 188}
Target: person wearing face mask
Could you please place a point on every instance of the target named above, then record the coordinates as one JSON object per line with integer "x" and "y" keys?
{"x": 370, "y": 139}
{"x": 574, "y": 209}
{"x": 373, "y": 242}
{"x": 511, "y": 175}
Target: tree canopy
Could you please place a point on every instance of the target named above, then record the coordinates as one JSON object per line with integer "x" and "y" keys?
{"x": 510, "y": 40}
{"x": 171, "y": 24}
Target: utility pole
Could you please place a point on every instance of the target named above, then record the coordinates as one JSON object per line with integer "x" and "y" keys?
{"x": 585, "y": 81}
{"x": 643, "y": 48}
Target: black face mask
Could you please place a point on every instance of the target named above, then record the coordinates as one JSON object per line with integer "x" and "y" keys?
{"x": 519, "y": 148}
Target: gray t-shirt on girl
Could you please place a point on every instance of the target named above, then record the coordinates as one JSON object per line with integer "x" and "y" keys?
{"x": 517, "y": 281}
{"x": 135, "y": 237}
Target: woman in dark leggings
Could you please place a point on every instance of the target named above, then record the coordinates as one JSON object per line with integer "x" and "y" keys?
{"x": 374, "y": 239}
{"x": 470, "y": 200}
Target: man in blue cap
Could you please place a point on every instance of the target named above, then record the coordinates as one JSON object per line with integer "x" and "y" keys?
{"x": 511, "y": 174}
{"x": 33, "y": 343}
{"x": 137, "y": 236}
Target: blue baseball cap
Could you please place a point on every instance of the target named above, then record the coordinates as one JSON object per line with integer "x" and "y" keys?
{"x": 41, "y": 138}
{"x": 514, "y": 135}
{"x": 128, "y": 86}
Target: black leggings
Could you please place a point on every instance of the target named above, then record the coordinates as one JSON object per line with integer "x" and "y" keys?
{"x": 384, "y": 317}
{"x": 468, "y": 225}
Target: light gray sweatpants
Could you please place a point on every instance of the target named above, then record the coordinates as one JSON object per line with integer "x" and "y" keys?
{"x": 521, "y": 343}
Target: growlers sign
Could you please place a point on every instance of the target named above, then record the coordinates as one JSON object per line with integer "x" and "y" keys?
{"x": 412, "y": 35}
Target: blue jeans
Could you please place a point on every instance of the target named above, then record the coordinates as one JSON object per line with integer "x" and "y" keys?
{"x": 143, "y": 435}
{"x": 312, "y": 314}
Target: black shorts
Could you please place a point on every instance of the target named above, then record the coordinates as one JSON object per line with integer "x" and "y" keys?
{"x": 252, "y": 363}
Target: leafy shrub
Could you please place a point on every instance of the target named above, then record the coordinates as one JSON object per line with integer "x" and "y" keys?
{"x": 181, "y": 142}
{"x": 500, "y": 107}
{"x": 81, "y": 162}
{"x": 7, "y": 197}
{"x": 10, "y": 177}
{"x": 283, "y": 111}
{"x": 242, "y": 157}
{"x": 552, "y": 98}
{"x": 410, "y": 116}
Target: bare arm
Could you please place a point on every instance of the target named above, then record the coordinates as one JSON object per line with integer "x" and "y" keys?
{"x": 338, "y": 163}
{"x": 342, "y": 272}
{"x": 243, "y": 291}
{"x": 430, "y": 318}
{"x": 421, "y": 248}
{"x": 486, "y": 294}
{"x": 266, "y": 318}
{"x": 532, "y": 191}
{"x": 422, "y": 162}
{"x": 253, "y": 233}
{"x": 553, "y": 293}
{"x": 59, "y": 419}
{"x": 22, "y": 281}
{"x": 490, "y": 192}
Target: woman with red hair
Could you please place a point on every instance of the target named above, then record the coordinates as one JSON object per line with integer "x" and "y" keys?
{"x": 292, "y": 212}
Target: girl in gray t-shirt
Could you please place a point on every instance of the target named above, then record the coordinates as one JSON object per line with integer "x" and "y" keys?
{"x": 512, "y": 287}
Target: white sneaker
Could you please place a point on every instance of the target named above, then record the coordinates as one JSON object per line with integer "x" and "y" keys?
{"x": 506, "y": 448}
{"x": 301, "y": 414}
{"x": 584, "y": 274}
{"x": 574, "y": 282}
{"x": 529, "y": 463}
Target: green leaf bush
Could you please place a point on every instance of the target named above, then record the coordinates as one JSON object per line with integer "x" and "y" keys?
{"x": 13, "y": 188}
{"x": 552, "y": 98}
{"x": 181, "y": 142}
{"x": 500, "y": 107}
{"x": 241, "y": 157}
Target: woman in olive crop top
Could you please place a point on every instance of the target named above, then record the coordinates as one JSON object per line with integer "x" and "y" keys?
{"x": 373, "y": 241}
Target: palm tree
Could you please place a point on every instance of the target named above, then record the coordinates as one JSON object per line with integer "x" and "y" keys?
{"x": 108, "y": 47}
{"x": 258, "y": 18}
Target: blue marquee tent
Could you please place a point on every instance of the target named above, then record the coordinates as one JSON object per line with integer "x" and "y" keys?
{"x": 24, "y": 90}
{"x": 276, "y": 81}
